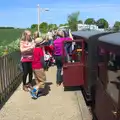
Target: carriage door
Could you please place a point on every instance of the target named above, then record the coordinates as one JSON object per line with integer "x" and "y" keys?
{"x": 73, "y": 65}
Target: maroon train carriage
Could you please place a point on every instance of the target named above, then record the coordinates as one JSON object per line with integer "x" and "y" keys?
{"x": 107, "y": 97}
{"x": 83, "y": 72}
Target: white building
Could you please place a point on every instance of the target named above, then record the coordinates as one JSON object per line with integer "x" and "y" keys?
{"x": 90, "y": 27}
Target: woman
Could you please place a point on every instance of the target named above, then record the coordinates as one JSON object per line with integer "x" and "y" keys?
{"x": 58, "y": 53}
{"x": 26, "y": 48}
{"x": 36, "y": 35}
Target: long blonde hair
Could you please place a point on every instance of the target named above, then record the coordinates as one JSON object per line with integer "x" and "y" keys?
{"x": 24, "y": 34}
{"x": 36, "y": 34}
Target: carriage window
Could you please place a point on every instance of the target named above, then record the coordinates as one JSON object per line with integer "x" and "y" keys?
{"x": 109, "y": 73}
{"x": 73, "y": 51}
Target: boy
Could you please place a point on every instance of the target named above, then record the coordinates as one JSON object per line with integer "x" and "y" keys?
{"x": 38, "y": 69}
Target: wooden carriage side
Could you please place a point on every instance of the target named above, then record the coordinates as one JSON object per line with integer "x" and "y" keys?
{"x": 90, "y": 54}
{"x": 107, "y": 97}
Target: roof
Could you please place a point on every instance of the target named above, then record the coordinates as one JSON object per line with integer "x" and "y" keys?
{"x": 113, "y": 38}
{"x": 86, "y": 34}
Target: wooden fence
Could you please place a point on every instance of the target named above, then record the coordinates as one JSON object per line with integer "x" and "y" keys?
{"x": 10, "y": 75}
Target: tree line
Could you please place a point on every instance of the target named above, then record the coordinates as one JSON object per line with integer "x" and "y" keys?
{"x": 72, "y": 22}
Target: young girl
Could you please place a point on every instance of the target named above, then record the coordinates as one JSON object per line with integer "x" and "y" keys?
{"x": 38, "y": 69}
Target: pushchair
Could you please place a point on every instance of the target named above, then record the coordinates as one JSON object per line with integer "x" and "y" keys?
{"x": 48, "y": 57}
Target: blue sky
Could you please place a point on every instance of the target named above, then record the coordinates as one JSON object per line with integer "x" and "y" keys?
{"x": 23, "y": 13}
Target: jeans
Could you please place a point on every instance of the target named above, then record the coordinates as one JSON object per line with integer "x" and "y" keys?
{"x": 50, "y": 42}
{"x": 68, "y": 50}
{"x": 59, "y": 64}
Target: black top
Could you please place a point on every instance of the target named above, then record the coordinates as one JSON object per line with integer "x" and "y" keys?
{"x": 86, "y": 34}
{"x": 113, "y": 38}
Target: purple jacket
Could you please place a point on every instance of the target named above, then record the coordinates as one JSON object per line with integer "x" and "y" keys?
{"x": 58, "y": 45}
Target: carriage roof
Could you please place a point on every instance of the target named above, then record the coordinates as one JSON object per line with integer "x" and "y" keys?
{"x": 87, "y": 34}
{"x": 113, "y": 38}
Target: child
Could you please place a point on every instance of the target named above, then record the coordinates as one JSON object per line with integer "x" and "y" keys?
{"x": 38, "y": 69}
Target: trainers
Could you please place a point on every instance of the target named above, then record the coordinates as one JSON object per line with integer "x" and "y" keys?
{"x": 33, "y": 93}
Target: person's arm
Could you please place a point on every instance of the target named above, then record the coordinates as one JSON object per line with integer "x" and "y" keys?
{"x": 23, "y": 49}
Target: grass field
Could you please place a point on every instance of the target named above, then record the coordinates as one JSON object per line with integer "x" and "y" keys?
{"x": 9, "y": 39}
{"x": 9, "y": 35}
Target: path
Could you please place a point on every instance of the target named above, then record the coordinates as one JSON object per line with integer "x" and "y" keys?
{"x": 56, "y": 105}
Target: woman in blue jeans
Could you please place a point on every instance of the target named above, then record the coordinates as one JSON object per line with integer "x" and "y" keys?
{"x": 58, "y": 53}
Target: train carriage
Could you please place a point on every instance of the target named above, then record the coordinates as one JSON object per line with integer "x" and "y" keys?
{"x": 107, "y": 96}
{"x": 83, "y": 72}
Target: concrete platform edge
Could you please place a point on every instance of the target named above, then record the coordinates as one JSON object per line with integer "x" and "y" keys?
{"x": 84, "y": 111}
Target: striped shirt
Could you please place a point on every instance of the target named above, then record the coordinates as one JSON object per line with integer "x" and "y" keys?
{"x": 26, "y": 49}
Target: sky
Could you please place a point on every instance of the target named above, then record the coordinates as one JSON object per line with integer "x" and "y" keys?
{"x": 23, "y": 13}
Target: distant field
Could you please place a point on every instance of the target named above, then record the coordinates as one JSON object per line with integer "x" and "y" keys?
{"x": 9, "y": 38}
{"x": 9, "y": 35}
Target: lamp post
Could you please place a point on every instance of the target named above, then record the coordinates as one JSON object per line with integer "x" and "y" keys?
{"x": 38, "y": 16}
{"x": 40, "y": 9}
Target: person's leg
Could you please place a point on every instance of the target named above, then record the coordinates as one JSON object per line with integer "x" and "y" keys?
{"x": 30, "y": 73}
{"x": 40, "y": 81}
{"x": 41, "y": 78}
{"x": 59, "y": 65}
{"x": 25, "y": 73}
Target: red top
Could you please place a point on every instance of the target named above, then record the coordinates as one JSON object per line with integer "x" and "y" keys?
{"x": 49, "y": 49}
{"x": 37, "y": 54}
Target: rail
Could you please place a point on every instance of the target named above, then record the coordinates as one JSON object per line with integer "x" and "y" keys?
{"x": 10, "y": 75}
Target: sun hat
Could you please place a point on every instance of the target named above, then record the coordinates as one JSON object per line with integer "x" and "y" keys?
{"x": 39, "y": 40}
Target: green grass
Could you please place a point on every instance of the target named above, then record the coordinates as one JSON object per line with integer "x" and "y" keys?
{"x": 10, "y": 38}
{"x": 9, "y": 35}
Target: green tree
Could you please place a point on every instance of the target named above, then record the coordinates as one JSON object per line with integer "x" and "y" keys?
{"x": 61, "y": 25}
{"x": 73, "y": 21}
{"x": 90, "y": 21}
{"x": 52, "y": 26}
{"x": 102, "y": 23}
{"x": 116, "y": 26}
{"x": 80, "y": 22}
{"x": 44, "y": 27}
{"x": 34, "y": 26}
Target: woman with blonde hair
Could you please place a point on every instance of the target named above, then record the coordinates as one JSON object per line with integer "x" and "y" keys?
{"x": 36, "y": 35}
{"x": 26, "y": 49}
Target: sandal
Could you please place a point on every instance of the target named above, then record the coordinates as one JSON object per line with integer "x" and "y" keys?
{"x": 25, "y": 88}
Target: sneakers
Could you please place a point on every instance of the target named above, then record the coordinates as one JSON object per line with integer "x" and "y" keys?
{"x": 36, "y": 93}
{"x": 33, "y": 93}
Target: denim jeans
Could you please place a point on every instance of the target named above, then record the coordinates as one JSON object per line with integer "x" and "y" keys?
{"x": 59, "y": 64}
{"x": 68, "y": 50}
{"x": 50, "y": 42}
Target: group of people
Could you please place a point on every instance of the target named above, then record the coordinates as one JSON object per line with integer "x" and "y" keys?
{"x": 33, "y": 59}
